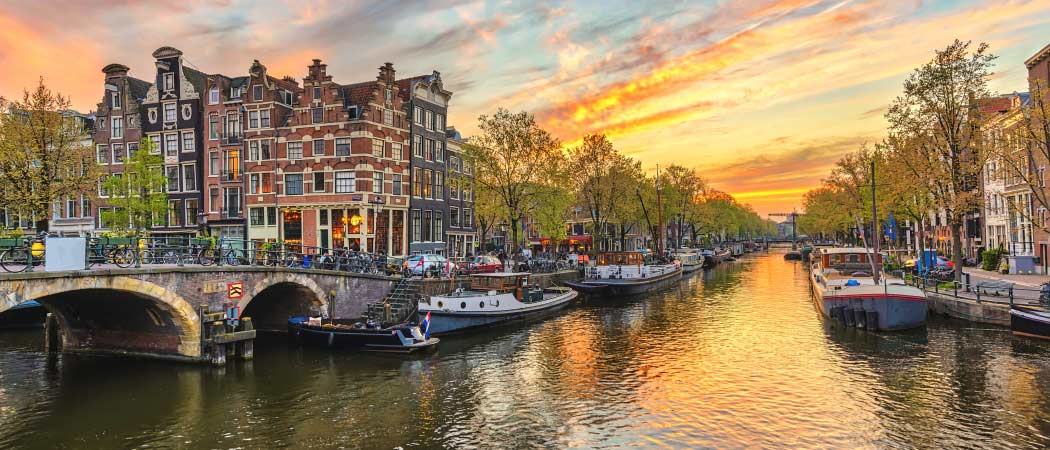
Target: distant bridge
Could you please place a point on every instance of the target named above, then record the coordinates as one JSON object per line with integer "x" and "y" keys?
{"x": 158, "y": 311}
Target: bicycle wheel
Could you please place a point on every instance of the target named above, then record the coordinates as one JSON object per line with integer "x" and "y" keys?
{"x": 123, "y": 257}
{"x": 206, "y": 257}
{"x": 230, "y": 258}
{"x": 13, "y": 260}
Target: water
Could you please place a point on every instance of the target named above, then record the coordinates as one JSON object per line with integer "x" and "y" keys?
{"x": 736, "y": 357}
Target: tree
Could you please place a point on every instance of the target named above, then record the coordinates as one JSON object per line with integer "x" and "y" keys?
{"x": 45, "y": 155}
{"x": 909, "y": 200}
{"x": 605, "y": 181}
{"x": 551, "y": 212}
{"x": 683, "y": 189}
{"x": 938, "y": 112}
{"x": 505, "y": 155}
{"x": 137, "y": 195}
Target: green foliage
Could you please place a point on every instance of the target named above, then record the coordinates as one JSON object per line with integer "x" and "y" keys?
{"x": 990, "y": 259}
{"x": 138, "y": 194}
{"x": 604, "y": 181}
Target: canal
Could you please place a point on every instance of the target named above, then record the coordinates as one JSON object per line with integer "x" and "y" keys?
{"x": 735, "y": 357}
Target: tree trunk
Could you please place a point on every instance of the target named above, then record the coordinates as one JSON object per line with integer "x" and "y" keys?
{"x": 957, "y": 229}
{"x": 513, "y": 250}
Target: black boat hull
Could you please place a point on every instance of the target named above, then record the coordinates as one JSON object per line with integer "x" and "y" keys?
{"x": 1030, "y": 322}
{"x": 625, "y": 286}
{"x": 363, "y": 339}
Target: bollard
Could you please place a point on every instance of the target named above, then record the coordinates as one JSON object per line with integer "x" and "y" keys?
{"x": 52, "y": 336}
{"x": 978, "y": 291}
{"x": 218, "y": 351}
{"x": 246, "y": 348}
{"x": 1010, "y": 292}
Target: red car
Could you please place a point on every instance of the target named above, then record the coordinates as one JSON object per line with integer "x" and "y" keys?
{"x": 485, "y": 264}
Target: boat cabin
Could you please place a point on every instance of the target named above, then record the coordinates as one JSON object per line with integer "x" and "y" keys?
{"x": 514, "y": 282}
{"x": 621, "y": 259}
{"x": 847, "y": 261}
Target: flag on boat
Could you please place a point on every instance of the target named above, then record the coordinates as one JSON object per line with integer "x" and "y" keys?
{"x": 426, "y": 326}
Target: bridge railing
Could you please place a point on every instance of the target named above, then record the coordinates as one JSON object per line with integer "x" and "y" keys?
{"x": 18, "y": 255}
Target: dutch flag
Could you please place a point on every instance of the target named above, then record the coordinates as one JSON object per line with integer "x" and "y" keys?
{"x": 426, "y": 326}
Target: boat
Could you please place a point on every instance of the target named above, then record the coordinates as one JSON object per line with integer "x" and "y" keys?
{"x": 691, "y": 261}
{"x": 709, "y": 258}
{"x": 845, "y": 290}
{"x": 1030, "y": 321}
{"x": 622, "y": 273}
{"x": 23, "y": 315}
{"x": 347, "y": 334}
{"x": 724, "y": 254}
{"x": 492, "y": 298}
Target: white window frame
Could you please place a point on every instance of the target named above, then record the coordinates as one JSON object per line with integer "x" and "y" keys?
{"x": 113, "y": 153}
{"x": 302, "y": 183}
{"x": 213, "y": 95}
{"x": 115, "y": 100}
{"x": 380, "y": 179}
{"x": 158, "y": 144}
{"x": 169, "y": 81}
{"x": 174, "y": 112}
{"x": 99, "y": 157}
{"x": 353, "y": 182}
{"x": 117, "y": 129}
{"x": 192, "y": 167}
{"x": 264, "y": 118}
{"x": 299, "y": 150}
{"x": 192, "y": 142}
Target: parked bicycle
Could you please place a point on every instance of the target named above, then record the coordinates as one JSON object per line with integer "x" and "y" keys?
{"x": 21, "y": 257}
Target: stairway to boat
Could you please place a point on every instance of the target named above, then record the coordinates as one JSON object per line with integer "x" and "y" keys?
{"x": 399, "y": 304}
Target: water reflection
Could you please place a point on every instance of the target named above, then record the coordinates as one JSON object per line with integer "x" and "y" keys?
{"x": 735, "y": 357}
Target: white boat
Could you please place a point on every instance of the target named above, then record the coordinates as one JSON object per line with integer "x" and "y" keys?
{"x": 691, "y": 261}
{"x": 845, "y": 290}
{"x": 492, "y": 298}
{"x": 625, "y": 273}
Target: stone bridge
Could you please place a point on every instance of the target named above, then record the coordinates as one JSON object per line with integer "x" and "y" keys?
{"x": 156, "y": 311}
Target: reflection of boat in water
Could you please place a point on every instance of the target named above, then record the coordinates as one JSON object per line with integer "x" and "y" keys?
{"x": 846, "y": 292}
{"x": 403, "y": 338}
{"x": 1029, "y": 321}
{"x": 621, "y": 273}
{"x": 492, "y": 299}
{"x": 23, "y": 315}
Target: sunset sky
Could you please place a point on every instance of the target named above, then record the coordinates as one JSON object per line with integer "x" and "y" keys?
{"x": 761, "y": 96}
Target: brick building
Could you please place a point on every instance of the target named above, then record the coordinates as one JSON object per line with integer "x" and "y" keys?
{"x": 461, "y": 234}
{"x": 118, "y": 125}
{"x": 426, "y": 101}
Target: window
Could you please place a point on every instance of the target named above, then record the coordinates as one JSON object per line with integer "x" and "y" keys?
{"x": 235, "y": 93}
{"x": 395, "y": 151}
{"x": 231, "y": 165}
{"x": 213, "y": 127}
{"x": 189, "y": 177}
{"x": 352, "y": 112}
{"x": 102, "y": 150}
{"x": 169, "y": 112}
{"x": 453, "y": 217}
{"x": 318, "y": 114}
{"x": 213, "y": 96}
{"x": 453, "y": 163}
{"x": 232, "y": 200}
{"x": 468, "y": 218}
{"x": 429, "y": 121}
{"x": 175, "y": 213}
{"x": 377, "y": 182}
{"x": 172, "y": 174}
{"x": 322, "y": 217}
{"x": 264, "y": 149}
{"x": 253, "y": 151}
{"x": 417, "y": 116}
{"x": 118, "y": 128}
{"x": 271, "y": 215}
{"x": 132, "y": 149}
{"x": 344, "y": 182}
{"x": 255, "y": 215}
{"x": 264, "y": 118}
{"x": 426, "y": 225}
{"x": 187, "y": 141}
{"x": 318, "y": 147}
{"x": 318, "y": 181}
{"x": 388, "y": 117}
{"x": 191, "y": 211}
{"x": 396, "y": 178}
{"x": 417, "y": 146}
{"x": 213, "y": 164}
{"x": 257, "y": 92}
{"x": 293, "y": 184}
{"x": 389, "y": 95}
{"x": 169, "y": 81}
{"x": 439, "y": 151}
{"x": 466, "y": 193}
{"x": 155, "y": 141}
{"x": 439, "y": 227}
{"x": 295, "y": 150}
{"x": 317, "y": 93}
{"x": 377, "y": 148}
{"x": 428, "y": 183}
{"x": 416, "y": 235}
{"x": 287, "y": 97}
{"x": 213, "y": 199}
{"x": 118, "y": 154}
{"x": 342, "y": 147}
{"x": 417, "y": 182}
{"x": 429, "y": 150}
{"x": 171, "y": 144}
{"x": 439, "y": 185}
{"x": 253, "y": 119}
{"x": 440, "y": 126}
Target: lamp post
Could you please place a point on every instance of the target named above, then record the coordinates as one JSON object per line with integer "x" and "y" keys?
{"x": 377, "y": 204}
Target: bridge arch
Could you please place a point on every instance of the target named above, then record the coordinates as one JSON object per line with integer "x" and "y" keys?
{"x": 116, "y": 314}
{"x": 282, "y": 295}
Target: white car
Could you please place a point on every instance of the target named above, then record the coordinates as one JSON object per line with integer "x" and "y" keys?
{"x": 427, "y": 264}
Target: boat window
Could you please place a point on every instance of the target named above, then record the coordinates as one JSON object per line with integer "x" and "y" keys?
{"x": 463, "y": 305}
{"x": 481, "y": 304}
{"x": 440, "y": 303}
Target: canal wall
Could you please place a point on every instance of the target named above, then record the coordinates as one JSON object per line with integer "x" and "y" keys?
{"x": 965, "y": 309}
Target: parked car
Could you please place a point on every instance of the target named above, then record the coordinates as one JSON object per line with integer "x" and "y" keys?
{"x": 485, "y": 264}
{"x": 427, "y": 265}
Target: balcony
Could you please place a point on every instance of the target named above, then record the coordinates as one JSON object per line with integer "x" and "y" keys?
{"x": 232, "y": 139}
{"x": 230, "y": 176}
{"x": 232, "y": 213}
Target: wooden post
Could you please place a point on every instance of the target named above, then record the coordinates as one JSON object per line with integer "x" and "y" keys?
{"x": 218, "y": 351}
{"x": 52, "y": 334}
{"x": 246, "y": 348}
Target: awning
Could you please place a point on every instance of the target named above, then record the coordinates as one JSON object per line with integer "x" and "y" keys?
{"x": 580, "y": 239}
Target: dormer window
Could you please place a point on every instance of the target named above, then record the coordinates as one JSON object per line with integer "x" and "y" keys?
{"x": 213, "y": 96}
{"x": 352, "y": 111}
{"x": 115, "y": 96}
{"x": 169, "y": 81}
{"x": 257, "y": 92}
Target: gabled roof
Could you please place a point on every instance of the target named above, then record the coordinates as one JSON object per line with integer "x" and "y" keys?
{"x": 1038, "y": 56}
{"x": 358, "y": 93}
{"x": 238, "y": 81}
{"x": 195, "y": 77}
{"x": 405, "y": 86}
{"x": 138, "y": 88}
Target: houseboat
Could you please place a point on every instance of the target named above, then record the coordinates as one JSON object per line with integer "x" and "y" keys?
{"x": 492, "y": 298}
{"x": 845, "y": 290}
{"x": 620, "y": 273}
{"x": 691, "y": 261}
{"x": 402, "y": 338}
{"x": 1030, "y": 321}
